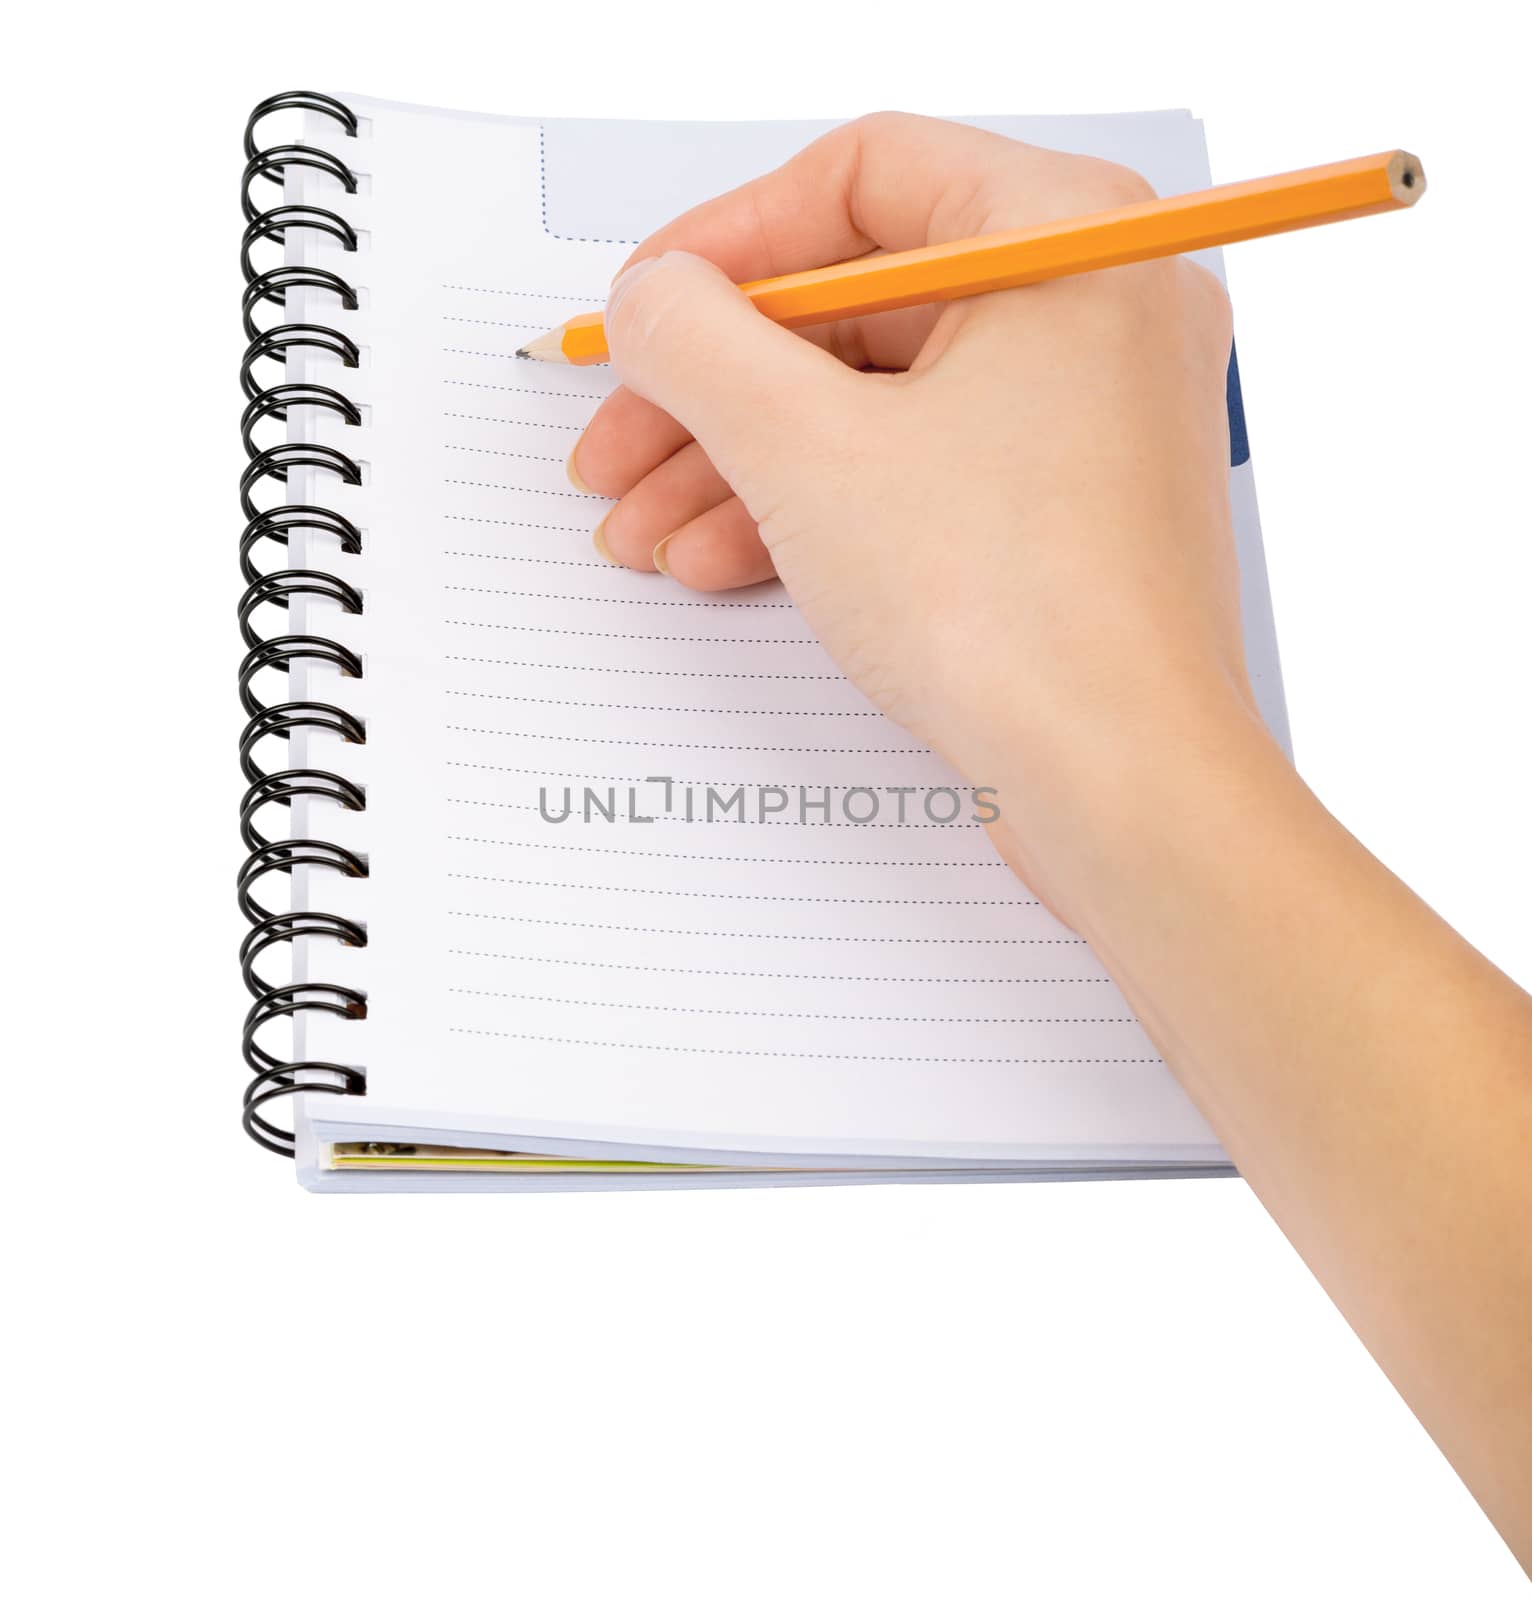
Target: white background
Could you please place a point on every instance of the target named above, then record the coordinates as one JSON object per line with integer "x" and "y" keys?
{"x": 227, "y": 1387}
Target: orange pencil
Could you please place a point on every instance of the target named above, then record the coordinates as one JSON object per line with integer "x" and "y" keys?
{"x": 1053, "y": 249}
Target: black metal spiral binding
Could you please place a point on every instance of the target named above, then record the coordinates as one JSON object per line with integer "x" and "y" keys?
{"x": 274, "y": 402}
{"x": 274, "y": 344}
{"x": 274, "y": 285}
{"x": 274, "y": 224}
{"x": 274, "y": 1077}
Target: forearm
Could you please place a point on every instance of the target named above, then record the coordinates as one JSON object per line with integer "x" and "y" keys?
{"x": 1368, "y": 1071}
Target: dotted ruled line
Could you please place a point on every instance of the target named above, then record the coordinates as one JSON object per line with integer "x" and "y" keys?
{"x": 726, "y": 972}
{"x": 618, "y": 705}
{"x": 495, "y": 322}
{"x": 719, "y": 784}
{"x": 515, "y": 455}
{"x": 510, "y": 355}
{"x": 621, "y": 600}
{"x": 513, "y": 422}
{"x": 646, "y": 672}
{"x": 545, "y": 561}
{"x": 744, "y": 861}
{"x": 513, "y": 388}
{"x": 597, "y": 633}
{"x": 705, "y": 822}
{"x": 669, "y": 744}
{"x": 820, "y": 1055}
{"x": 520, "y": 488}
{"x": 526, "y": 294}
{"x": 512, "y": 522}
{"x": 717, "y": 894}
{"x": 784, "y": 1016}
{"x": 729, "y": 933}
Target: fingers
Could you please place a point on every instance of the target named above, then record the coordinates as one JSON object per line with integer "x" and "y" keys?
{"x": 889, "y": 181}
{"x": 759, "y": 400}
{"x": 680, "y": 488}
{"x": 721, "y": 549}
{"x": 629, "y": 437}
{"x": 625, "y": 439}
{"x": 682, "y": 519}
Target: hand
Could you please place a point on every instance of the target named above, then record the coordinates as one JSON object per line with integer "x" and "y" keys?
{"x": 1014, "y": 536}
{"x": 1014, "y": 533}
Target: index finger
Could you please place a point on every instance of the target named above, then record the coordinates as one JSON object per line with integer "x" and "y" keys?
{"x": 891, "y": 181}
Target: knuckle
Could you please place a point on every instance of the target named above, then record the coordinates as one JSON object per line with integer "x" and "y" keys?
{"x": 1109, "y": 184}
{"x": 644, "y": 300}
{"x": 1042, "y": 185}
{"x": 881, "y": 124}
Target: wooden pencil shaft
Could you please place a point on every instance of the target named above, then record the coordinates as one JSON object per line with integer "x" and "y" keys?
{"x": 1072, "y": 245}
{"x": 1140, "y": 232}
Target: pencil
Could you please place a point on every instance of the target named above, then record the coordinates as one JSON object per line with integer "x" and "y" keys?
{"x": 1059, "y": 249}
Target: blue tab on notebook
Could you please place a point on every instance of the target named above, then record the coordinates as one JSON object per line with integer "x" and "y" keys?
{"x": 1239, "y": 440}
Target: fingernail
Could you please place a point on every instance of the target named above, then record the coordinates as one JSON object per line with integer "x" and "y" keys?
{"x": 572, "y": 473}
{"x": 598, "y": 538}
{"x": 657, "y": 556}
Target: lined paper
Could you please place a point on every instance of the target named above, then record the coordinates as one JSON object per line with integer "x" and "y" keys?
{"x": 886, "y": 941}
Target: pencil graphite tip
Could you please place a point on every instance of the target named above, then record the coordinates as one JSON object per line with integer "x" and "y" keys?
{"x": 546, "y": 347}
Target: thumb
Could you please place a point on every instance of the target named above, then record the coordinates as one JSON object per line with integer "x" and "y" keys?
{"x": 753, "y": 395}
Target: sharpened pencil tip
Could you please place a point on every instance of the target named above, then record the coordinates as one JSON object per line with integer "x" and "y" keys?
{"x": 545, "y": 347}
{"x": 523, "y": 353}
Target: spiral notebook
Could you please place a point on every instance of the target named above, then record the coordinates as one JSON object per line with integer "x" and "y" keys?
{"x": 558, "y": 875}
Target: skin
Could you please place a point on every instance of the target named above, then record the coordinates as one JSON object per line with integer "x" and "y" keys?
{"x": 1008, "y": 521}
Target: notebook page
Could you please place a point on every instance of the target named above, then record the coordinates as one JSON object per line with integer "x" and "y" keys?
{"x": 769, "y": 923}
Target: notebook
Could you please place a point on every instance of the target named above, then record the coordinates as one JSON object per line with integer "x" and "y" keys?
{"x": 560, "y": 876}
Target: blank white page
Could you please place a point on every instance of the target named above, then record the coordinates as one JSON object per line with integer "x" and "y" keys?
{"x": 742, "y": 987}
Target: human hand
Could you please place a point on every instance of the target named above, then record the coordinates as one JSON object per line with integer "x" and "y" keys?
{"x": 1014, "y": 533}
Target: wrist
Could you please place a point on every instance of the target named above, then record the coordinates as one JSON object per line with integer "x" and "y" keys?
{"x": 1102, "y": 805}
